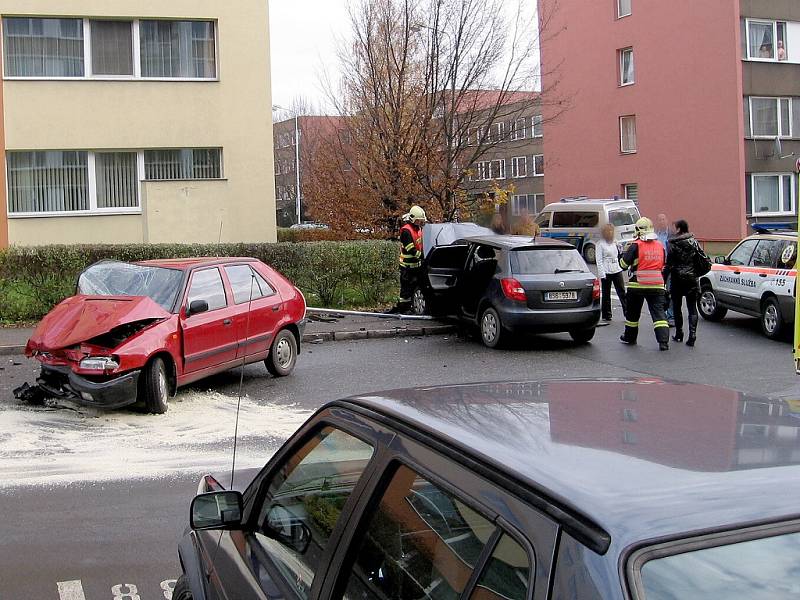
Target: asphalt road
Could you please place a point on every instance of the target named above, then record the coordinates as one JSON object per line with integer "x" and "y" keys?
{"x": 100, "y": 538}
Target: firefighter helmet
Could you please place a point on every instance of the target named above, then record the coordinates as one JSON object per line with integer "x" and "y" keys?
{"x": 417, "y": 214}
{"x": 645, "y": 230}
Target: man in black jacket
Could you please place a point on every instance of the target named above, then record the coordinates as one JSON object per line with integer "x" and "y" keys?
{"x": 683, "y": 249}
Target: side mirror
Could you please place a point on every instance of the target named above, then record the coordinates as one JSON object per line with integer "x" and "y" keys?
{"x": 197, "y": 307}
{"x": 284, "y": 527}
{"x": 216, "y": 510}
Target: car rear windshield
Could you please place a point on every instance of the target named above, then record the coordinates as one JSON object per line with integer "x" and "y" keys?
{"x": 750, "y": 570}
{"x": 112, "y": 278}
{"x": 623, "y": 216}
{"x": 542, "y": 261}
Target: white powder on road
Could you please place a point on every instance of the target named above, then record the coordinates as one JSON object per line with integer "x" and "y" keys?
{"x": 40, "y": 446}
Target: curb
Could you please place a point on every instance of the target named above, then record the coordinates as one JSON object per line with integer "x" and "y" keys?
{"x": 330, "y": 336}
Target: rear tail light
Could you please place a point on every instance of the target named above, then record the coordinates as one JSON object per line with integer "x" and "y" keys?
{"x": 513, "y": 290}
{"x": 596, "y": 289}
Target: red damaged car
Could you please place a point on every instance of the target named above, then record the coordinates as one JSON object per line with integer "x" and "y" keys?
{"x": 135, "y": 332}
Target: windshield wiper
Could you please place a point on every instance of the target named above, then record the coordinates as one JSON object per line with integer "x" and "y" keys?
{"x": 557, "y": 271}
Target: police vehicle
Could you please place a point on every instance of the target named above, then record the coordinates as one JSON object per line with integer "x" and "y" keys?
{"x": 757, "y": 278}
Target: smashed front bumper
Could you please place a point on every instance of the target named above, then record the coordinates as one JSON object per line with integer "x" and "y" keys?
{"x": 61, "y": 382}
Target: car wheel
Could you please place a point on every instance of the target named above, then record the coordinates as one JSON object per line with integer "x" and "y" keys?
{"x": 772, "y": 323}
{"x": 708, "y": 306}
{"x": 282, "y": 355}
{"x": 419, "y": 303}
{"x": 582, "y": 336}
{"x": 154, "y": 387}
{"x": 491, "y": 328}
{"x": 590, "y": 254}
{"x": 182, "y": 591}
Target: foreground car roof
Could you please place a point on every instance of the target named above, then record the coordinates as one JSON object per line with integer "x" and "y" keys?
{"x": 189, "y": 263}
{"x": 515, "y": 242}
{"x": 639, "y": 459}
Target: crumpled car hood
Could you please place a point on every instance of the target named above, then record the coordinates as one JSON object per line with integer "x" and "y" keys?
{"x": 81, "y": 318}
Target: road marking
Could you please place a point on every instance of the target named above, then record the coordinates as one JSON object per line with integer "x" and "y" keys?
{"x": 70, "y": 590}
{"x": 168, "y": 585}
{"x": 131, "y": 591}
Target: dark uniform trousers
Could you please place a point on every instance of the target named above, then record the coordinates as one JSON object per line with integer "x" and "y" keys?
{"x": 409, "y": 281}
{"x": 657, "y": 304}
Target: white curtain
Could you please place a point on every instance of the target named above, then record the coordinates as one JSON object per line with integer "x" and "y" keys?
{"x": 627, "y": 127}
{"x": 43, "y": 47}
{"x": 761, "y": 43}
{"x": 117, "y": 180}
{"x": 178, "y": 49}
{"x": 112, "y": 48}
{"x": 765, "y": 194}
{"x": 40, "y": 182}
{"x": 765, "y": 116}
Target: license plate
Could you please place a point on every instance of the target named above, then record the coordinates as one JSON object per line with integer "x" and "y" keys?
{"x": 557, "y": 296}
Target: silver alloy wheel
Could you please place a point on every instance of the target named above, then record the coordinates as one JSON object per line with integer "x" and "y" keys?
{"x": 770, "y": 318}
{"x": 162, "y": 386}
{"x": 283, "y": 353}
{"x": 418, "y": 302}
{"x": 489, "y": 327}
{"x": 708, "y": 302}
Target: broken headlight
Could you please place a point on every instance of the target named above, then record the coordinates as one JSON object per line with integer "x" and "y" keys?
{"x": 99, "y": 363}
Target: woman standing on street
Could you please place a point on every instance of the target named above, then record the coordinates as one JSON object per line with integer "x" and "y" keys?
{"x": 608, "y": 270}
{"x": 683, "y": 249}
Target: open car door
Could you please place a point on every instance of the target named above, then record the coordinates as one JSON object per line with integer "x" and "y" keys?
{"x": 444, "y": 270}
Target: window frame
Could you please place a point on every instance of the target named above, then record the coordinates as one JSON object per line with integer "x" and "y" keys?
{"x": 518, "y": 132}
{"x": 779, "y": 117}
{"x": 621, "y": 54}
{"x": 625, "y": 190}
{"x": 622, "y": 136}
{"x": 774, "y": 22}
{"x": 501, "y": 163}
{"x": 222, "y": 280}
{"x": 88, "y": 75}
{"x": 536, "y": 172}
{"x": 638, "y": 557}
{"x": 537, "y": 121}
{"x": 515, "y": 170}
{"x": 792, "y": 191}
{"x": 620, "y": 14}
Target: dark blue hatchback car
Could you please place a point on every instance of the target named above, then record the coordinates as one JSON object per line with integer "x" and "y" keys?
{"x": 514, "y": 491}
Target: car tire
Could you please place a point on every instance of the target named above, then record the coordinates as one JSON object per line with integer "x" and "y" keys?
{"x": 772, "y": 323}
{"x": 582, "y": 336}
{"x": 590, "y": 254}
{"x": 708, "y": 307}
{"x": 491, "y": 328}
{"x": 154, "y": 387}
{"x": 419, "y": 302}
{"x": 182, "y": 591}
{"x": 282, "y": 355}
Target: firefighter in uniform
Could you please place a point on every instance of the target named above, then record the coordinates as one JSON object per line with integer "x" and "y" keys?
{"x": 645, "y": 259}
{"x": 410, "y": 256}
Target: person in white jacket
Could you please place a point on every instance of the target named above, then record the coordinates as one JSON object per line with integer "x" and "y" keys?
{"x": 609, "y": 271}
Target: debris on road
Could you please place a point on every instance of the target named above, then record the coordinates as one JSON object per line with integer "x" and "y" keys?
{"x": 30, "y": 394}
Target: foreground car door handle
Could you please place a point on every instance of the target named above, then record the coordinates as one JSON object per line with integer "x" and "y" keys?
{"x": 227, "y": 322}
{"x": 762, "y": 274}
{"x": 276, "y": 308}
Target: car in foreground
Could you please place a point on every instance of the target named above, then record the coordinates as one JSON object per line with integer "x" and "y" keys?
{"x": 510, "y": 285}
{"x": 513, "y": 491}
{"x": 757, "y": 279}
{"x": 135, "y": 332}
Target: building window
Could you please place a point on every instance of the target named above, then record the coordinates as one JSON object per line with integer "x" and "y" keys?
{"x": 498, "y": 169}
{"x": 626, "y": 69}
{"x": 45, "y": 182}
{"x": 476, "y": 137}
{"x": 766, "y": 40}
{"x": 178, "y": 49}
{"x": 772, "y": 117}
{"x": 112, "y": 48}
{"x": 518, "y": 128}
{"x": 43, "y": 47}
{"x": 116, "y": 179}
{"x": 627, "y": 134}
{"x": 537, "y": 126}
{"x": 772, "y": 193}
{"x": 484, "y": 171}
{"x": 624, "y": 8}
{"x": 497, "y": 132}
{"x": 522, "y": 204}
{"x": 519, "y": 166}
{"x": 538, "y": 165}
{"x": 186, "y": 163}
{"x": 630, "y": 191}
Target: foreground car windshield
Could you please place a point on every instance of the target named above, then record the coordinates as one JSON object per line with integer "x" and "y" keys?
{"x": 125, "y": 279}
{"x": 546, "y": 261}
{"x": 754, "y": 570}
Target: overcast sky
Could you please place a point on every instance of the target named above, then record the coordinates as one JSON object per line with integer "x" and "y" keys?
{"x": 303, "y": 35}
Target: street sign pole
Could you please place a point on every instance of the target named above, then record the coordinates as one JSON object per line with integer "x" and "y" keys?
{"x": 796, "y": 349}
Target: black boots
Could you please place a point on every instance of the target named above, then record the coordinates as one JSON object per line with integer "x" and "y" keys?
{"x": 678, "y": 337}
{"x": 692, "y": 331}
{"x": 663, "y": 346}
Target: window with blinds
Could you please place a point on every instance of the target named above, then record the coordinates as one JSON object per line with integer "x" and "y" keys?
{"x": 112, "y": 47}
{"x": 187, "y": 163}
{"x": 179, "y": 49}
{"x": 41, "y": 182}
{"x": 36, "y": 47}
{"x": 116, "y": 180}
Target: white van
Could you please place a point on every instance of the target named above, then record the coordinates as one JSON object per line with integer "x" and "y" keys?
{"x": 579, "y": 221}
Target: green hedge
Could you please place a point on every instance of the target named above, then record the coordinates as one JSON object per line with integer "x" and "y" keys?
{"x": 331, "y": 274}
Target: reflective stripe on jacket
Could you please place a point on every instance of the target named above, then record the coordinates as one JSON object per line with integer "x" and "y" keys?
{"x": 410, "y": 246}
{"x": 646, "y": 260}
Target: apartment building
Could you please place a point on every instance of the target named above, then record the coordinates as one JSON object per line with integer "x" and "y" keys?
{"x": 130, "y": 121}
{"x": 514, "y": 159}
{"x": 693, "y": 108}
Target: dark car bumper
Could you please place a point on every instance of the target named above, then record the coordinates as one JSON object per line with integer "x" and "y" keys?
{"x": 61, "y": 382}
{"x": 519, "y": 318}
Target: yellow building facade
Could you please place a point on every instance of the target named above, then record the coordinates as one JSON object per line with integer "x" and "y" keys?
{"x": 130, "y": 121}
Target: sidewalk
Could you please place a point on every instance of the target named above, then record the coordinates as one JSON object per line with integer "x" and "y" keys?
{"x": 319, "y": 329}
